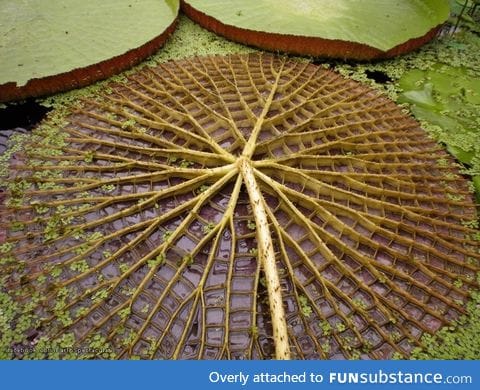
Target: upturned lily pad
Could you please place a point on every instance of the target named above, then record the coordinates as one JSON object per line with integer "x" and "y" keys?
{"x": 50, "y": 46}
{"x": 334, "y": 28}
{"x": 234, "y": 207}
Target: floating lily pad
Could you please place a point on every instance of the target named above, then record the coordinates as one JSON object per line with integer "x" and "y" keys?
{"x": 234, "y": 207}
{"x": 333, "y": 28}
{"x": 50, "y": 46}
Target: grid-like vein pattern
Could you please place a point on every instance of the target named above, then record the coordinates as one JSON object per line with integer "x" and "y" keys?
{"x": 139, "y": 230}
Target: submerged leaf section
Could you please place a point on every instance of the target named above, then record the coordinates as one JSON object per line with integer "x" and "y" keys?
{"x": 448, "y": 97}
{"x": 241, "y": 207}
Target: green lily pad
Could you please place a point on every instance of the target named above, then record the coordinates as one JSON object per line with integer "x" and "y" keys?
{"x": 337, "y": 28}
{"x": 40, "y": 40}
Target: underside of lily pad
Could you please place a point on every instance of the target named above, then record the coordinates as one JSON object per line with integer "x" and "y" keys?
{"x": 235, "y": 207}
{"x": 51, "y": 46}
{"x": 347, "y": 29}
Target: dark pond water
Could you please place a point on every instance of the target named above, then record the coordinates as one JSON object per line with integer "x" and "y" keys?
{"x": 19, "y": 118}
